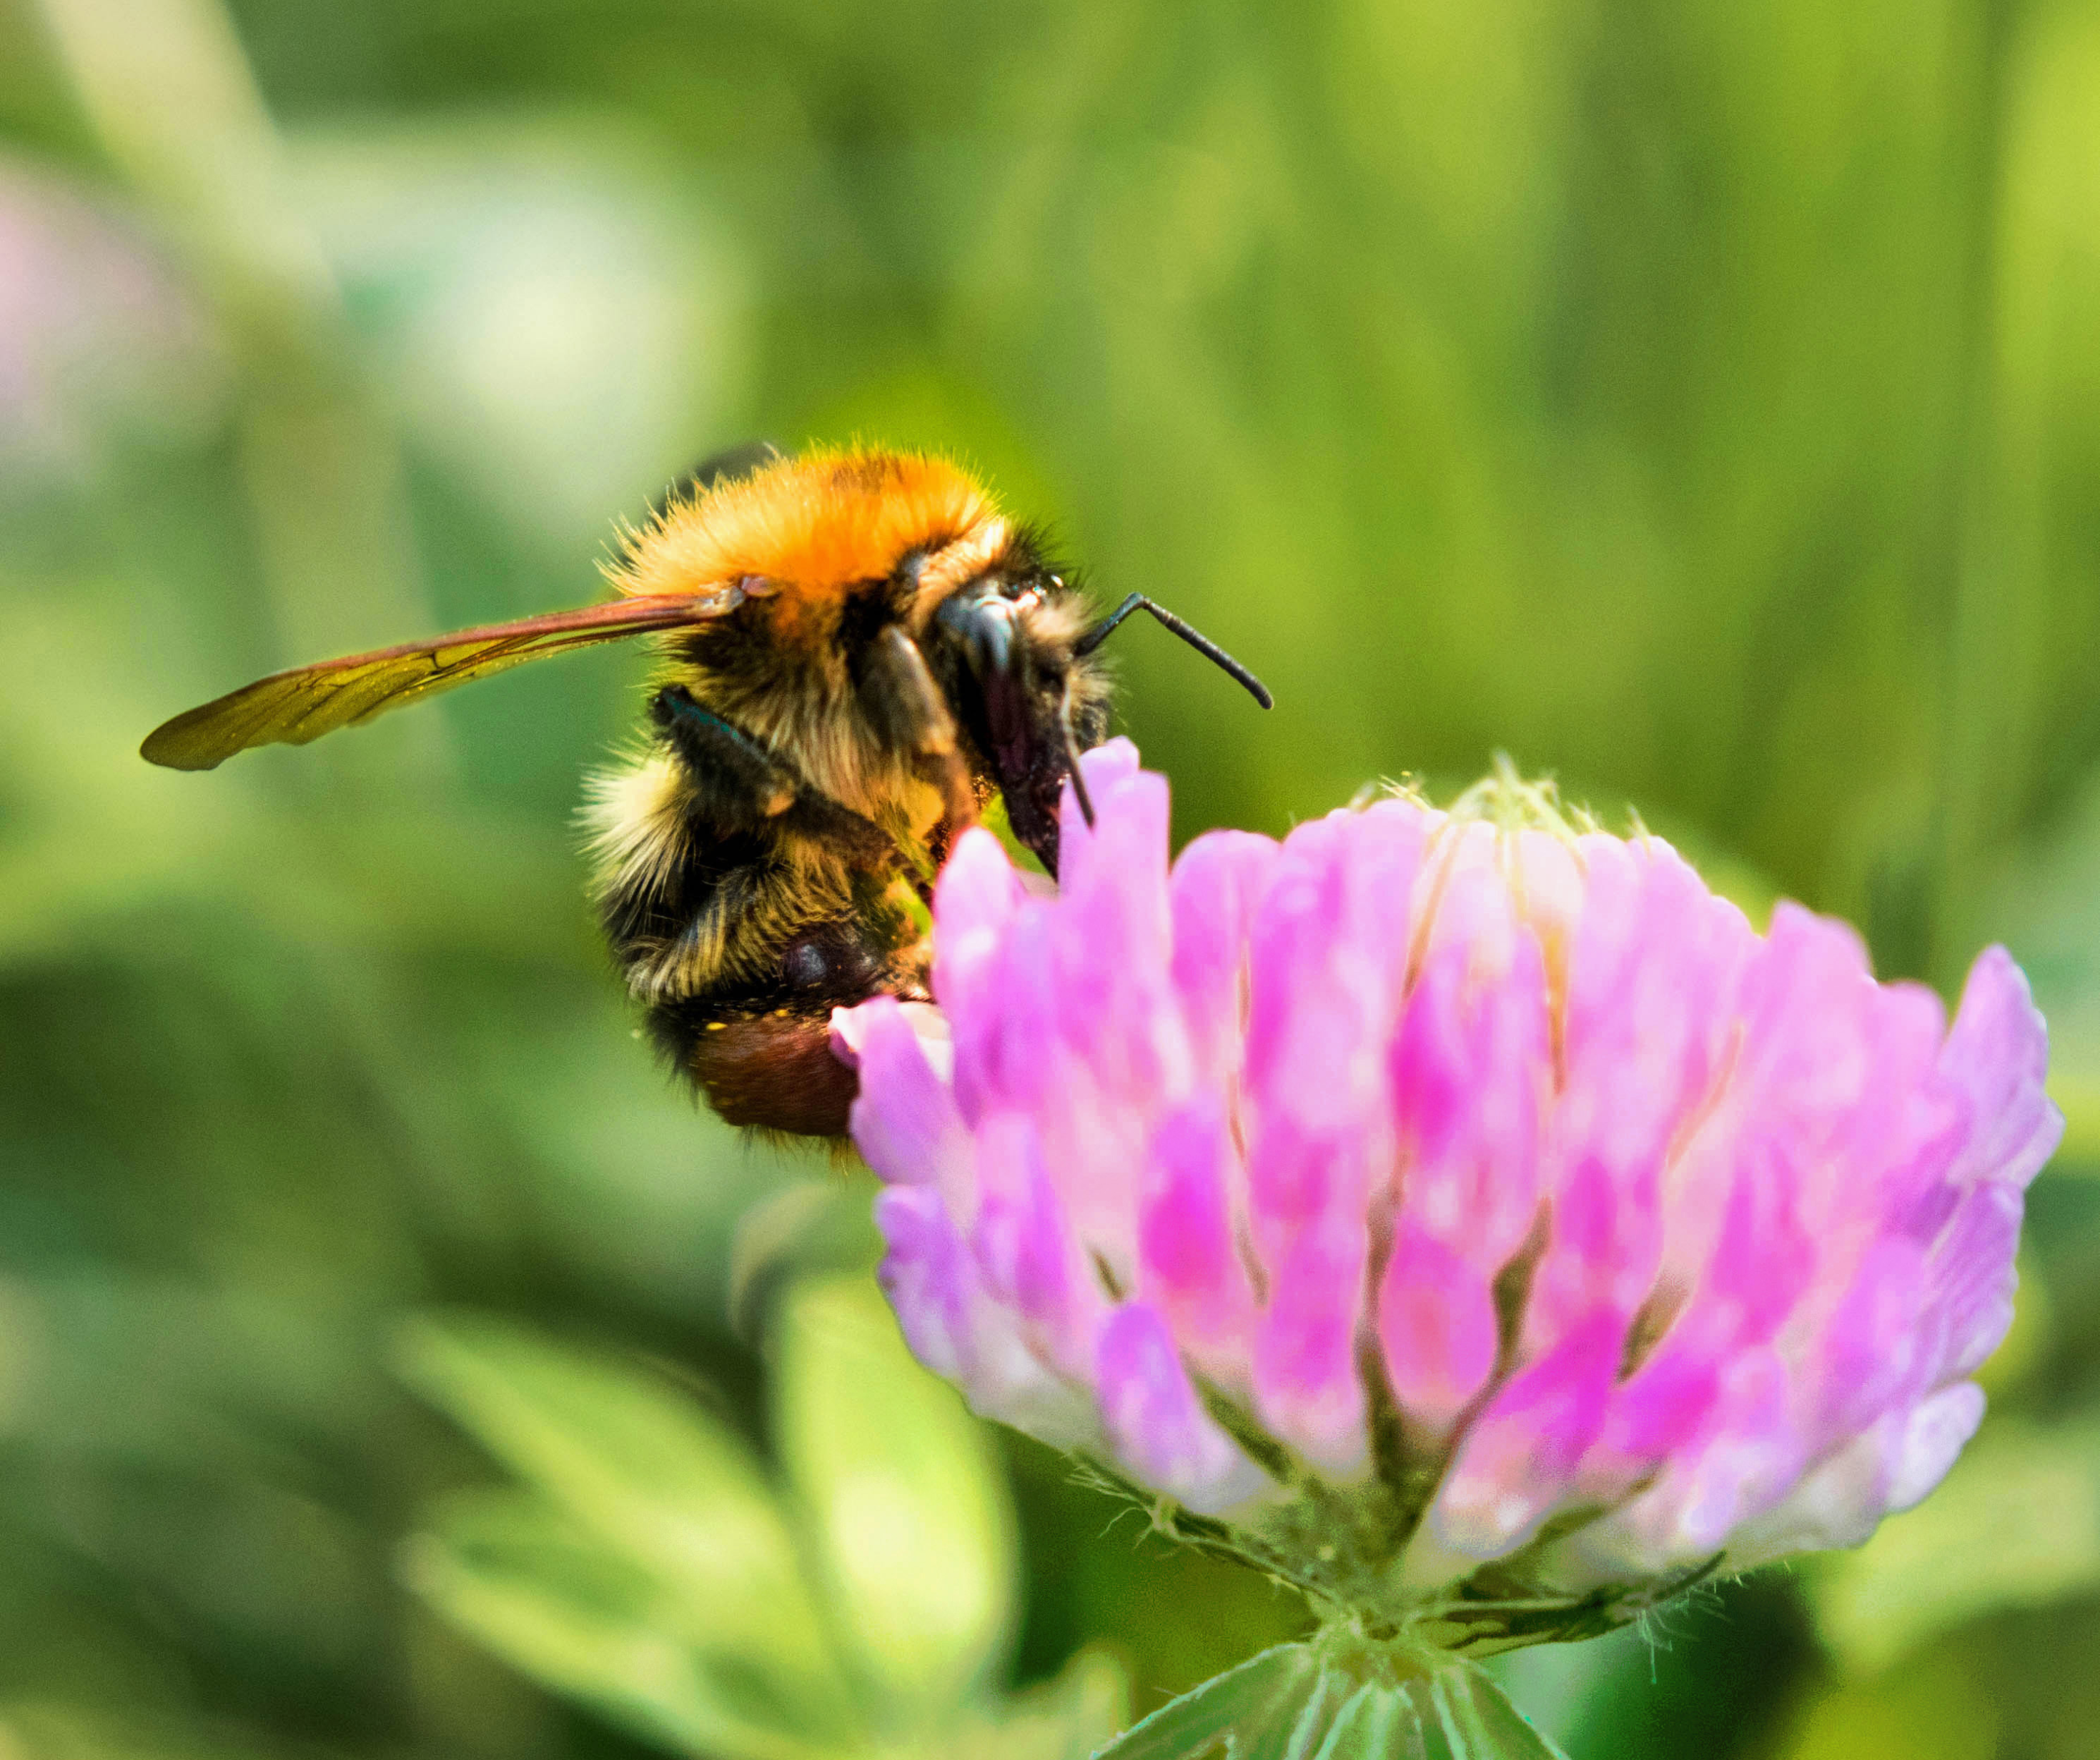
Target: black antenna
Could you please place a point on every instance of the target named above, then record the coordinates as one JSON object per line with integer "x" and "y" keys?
{"x": 1072, "y": 756}
{"x": 1195, "y": 638}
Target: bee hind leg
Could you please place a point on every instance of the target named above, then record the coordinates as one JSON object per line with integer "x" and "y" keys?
{"x": 739, "y": 785}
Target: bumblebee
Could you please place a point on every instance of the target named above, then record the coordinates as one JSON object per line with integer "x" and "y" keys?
{"x": 858, "y": 651}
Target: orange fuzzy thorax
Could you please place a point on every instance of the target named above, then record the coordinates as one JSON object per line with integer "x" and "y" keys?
{"x": 808, "y": 527}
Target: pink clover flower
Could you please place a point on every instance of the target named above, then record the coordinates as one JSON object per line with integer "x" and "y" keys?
{"x": 1471, "y": 1220}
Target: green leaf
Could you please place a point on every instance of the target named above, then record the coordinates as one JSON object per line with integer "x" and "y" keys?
{"x": 1321, "y": 1700}
{"x": 1245, "y": 1709}
{"x": 2016, "y": 1524}
{"x": 54, "y": 1730}
{"x": 1370, "y": 1723}
{"x": 1067, "y": 1719}
{"x": 520, "y": 1577}
{"x": 1945, "y": 1703}
{"x": 656, "y": 1483}
{"x": 1476, "y": 1720}
{"x": 912, "y": 1517}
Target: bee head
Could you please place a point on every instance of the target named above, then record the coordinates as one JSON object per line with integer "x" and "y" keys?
{"x": 1004, "y": 645}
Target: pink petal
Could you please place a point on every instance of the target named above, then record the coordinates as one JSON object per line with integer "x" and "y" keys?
{"x": 1881, "y": 1473}
{"x": 1437, "y": 1328}
{"x": 1190, "y": 1267}
{"x": 1970, "y": 1277}
{"x": 1027, "y": 1256}
{"x": 1306, "y": 1388}
{"x": 1519, "y": 1457}
{"x": 927, "y": 1275}
{"x": 1217, "y": 885}
{"x": 1472, "y": 1069}
{"x": 1156, "y": 1424}
{"x": 959, "y": 1330}
{"x": 1997, "y": 1055}
{"x": 913, "y": 1133}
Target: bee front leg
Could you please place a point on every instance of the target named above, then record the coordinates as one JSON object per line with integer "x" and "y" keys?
{"x": 899, "y": 691}
{"x": 739, "y": 785}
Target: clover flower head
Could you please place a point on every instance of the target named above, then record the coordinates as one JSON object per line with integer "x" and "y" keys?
{"x": 1472, "y": 1219}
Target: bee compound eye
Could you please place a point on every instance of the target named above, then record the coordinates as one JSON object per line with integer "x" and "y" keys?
{"x": 804, "y": 966}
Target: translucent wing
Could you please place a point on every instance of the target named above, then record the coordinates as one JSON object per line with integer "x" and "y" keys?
{"x": 300, "y": 705}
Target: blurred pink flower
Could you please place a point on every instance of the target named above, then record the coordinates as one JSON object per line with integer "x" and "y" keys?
{"x": 1464, "y": 1218}
{"x": 98, "y": 335}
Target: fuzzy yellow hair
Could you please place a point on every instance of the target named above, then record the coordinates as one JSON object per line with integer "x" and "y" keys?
{"x": 809, "y": 526}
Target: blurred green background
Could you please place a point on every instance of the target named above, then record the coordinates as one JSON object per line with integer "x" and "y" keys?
{"x": 1698, "y": 398}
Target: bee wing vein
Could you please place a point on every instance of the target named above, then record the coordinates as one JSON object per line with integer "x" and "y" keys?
{"x": 296, "y": 707}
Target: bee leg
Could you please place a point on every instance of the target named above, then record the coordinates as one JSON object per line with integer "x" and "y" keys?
{"x": 900, "y": 695}
{"x": 740, "y": 786}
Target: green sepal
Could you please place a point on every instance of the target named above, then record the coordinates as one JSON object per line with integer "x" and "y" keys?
{"x": 1241, "y": 1708}
{"x": 1336, "y": 1698}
